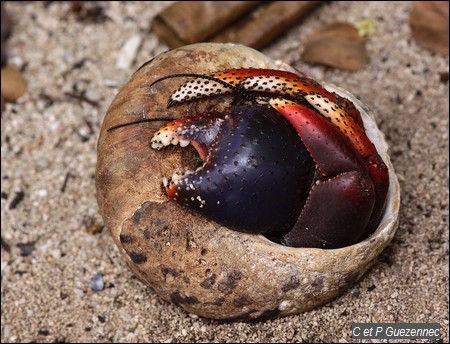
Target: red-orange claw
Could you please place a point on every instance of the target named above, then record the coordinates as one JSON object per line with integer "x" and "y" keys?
{"x": 185, "y": 131}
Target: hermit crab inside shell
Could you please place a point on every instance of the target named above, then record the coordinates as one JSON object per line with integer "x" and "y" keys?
{"x": 229, "y": 180}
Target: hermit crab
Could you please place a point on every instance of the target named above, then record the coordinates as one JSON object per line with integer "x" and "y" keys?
{"x": 241, "y": 189}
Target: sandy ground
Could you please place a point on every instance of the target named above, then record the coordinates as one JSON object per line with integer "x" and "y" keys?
{"x": 50, "y": 254}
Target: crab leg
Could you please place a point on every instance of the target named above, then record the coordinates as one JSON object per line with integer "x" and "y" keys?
{"x": 259, "y": 80}
{"x": 340, "y": 206}
{"x": 356, "y": 135}
{"x": 284, "y": 84}
{"x": 277, "y": 82}
{"x": 272, "y": 81}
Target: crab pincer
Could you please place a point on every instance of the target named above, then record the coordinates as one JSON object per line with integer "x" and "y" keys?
{"x": 253, "y": 167}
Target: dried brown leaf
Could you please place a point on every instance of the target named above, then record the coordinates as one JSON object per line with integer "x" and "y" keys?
{"x": 429, "y": 25}
{"x": 13, "y": 85}
{"x": 337, "y": 45}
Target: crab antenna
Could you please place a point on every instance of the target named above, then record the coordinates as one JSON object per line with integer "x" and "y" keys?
{"x": 142, "y": 120}
{"x": 193, "y": 75}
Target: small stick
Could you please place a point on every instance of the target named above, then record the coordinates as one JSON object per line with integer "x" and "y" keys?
{"x": 18, "y": 197}
{"x": 267, "y": 23}
{"x": 187, "y": 22}
{"x": 66, "y": 180}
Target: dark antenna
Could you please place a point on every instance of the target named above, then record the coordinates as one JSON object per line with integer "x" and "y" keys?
{"x": 142, "y": 120}
{"x": 182, "y": 75}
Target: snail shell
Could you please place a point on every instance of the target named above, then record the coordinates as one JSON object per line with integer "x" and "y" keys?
{"x": 197, "y": 264}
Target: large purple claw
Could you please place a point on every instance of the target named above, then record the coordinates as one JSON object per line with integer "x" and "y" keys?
{"x": 256, "y": 172}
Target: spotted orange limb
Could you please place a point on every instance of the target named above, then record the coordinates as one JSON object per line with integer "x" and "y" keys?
{"x": 255, "y": 80}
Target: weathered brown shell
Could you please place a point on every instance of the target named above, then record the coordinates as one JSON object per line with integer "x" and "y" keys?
{"x": 207, "y": 269}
